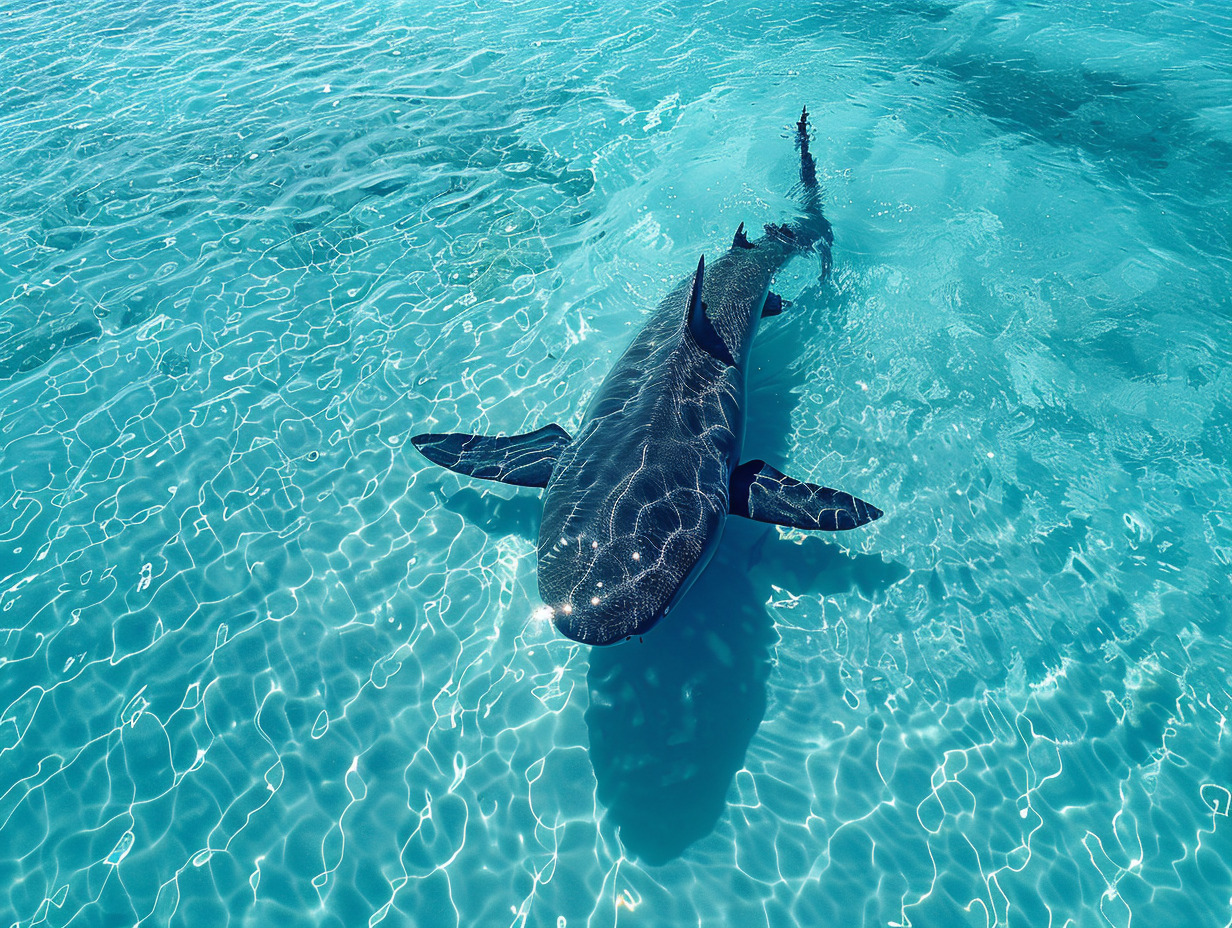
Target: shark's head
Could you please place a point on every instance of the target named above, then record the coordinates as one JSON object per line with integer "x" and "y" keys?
{"x": 605, "y": 584}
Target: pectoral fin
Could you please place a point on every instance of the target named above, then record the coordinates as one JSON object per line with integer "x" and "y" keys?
{"x": 760, "y": 492}
{"x": 522, "y": 460}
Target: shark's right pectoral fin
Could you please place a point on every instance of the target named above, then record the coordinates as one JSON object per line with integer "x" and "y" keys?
{"x": 760, "y": 492}
{"x": 522, "y": 460}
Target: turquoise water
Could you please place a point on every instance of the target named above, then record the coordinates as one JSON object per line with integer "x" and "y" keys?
{"x": 260, "y": 664}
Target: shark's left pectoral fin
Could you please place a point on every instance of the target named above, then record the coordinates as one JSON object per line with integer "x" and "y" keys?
{"x": 760, "y": 492}
{"x": 522, "y": 460}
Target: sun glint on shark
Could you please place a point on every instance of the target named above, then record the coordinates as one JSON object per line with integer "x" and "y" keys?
{"x": 636, "y": 501}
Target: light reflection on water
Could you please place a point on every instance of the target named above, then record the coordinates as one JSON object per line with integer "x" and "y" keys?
{"x": 258, "y": 662}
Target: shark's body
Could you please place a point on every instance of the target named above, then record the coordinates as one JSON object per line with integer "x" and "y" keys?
{"x": 635, "y": 503}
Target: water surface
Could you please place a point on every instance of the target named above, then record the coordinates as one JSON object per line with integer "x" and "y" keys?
{"x": 261, "y": 664}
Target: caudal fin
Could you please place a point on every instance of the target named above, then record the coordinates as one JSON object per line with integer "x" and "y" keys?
{"x": 814, "y": 229}
{"x": 811, "y": 195}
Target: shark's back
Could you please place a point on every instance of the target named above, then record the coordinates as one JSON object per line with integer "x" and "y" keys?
{"x": 638, "y": 498}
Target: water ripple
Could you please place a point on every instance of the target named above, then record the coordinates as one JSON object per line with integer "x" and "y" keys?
{"x": 259, "y": 663}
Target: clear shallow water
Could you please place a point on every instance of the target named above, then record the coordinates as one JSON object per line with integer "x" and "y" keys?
{"x": 260, "y": 664}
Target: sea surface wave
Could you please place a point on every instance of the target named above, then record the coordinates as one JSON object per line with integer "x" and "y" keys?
{"x": 261, "y": 664}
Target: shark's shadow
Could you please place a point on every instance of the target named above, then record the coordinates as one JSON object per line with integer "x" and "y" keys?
{"x": 517, "y": 514}
{"x": 671, "y": 716}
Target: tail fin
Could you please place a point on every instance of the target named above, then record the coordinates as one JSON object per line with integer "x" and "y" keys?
{"x": 814, "y": 228}
{"x": 808, "y": 167}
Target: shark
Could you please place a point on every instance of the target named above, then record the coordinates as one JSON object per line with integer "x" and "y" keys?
{"x": 635, "y": 500}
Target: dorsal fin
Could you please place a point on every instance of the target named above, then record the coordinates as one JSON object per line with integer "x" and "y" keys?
{"x": 698, "y": 325}
{"x": 696, "y": 306}
{"x": 741, "y": 240}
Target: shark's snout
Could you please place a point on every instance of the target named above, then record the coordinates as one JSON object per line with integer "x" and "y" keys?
{"x": 603, "y": 594}
{"x": 599, "y": 621}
